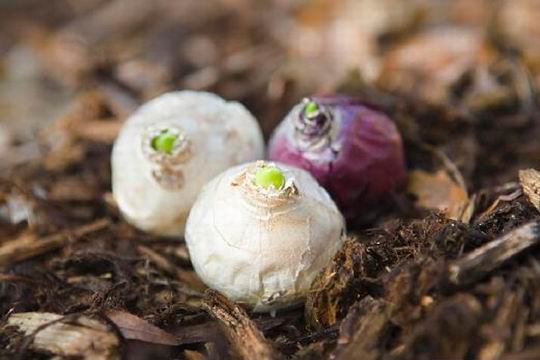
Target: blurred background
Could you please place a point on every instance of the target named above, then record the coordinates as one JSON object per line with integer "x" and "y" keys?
{"x": 72, "y": 70}
{"x": 260, "y": 52}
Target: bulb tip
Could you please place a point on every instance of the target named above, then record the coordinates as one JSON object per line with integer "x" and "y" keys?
{"x": 311, "y": 109}
{"x": 268, "y": 176}
{"x": 164, "y": 142}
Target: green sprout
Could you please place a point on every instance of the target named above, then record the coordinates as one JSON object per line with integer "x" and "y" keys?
{"x": 267, "y": 176}
{"x": 164, "y": 142}
{"x": 311, "y": 109}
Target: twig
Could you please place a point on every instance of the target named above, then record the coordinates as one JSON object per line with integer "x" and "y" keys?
{"x": 207, "y": 331}
{"x": 162, "y": 263}
{"x": 449, "y": 165}
{"x": 247, "y": 340}
{"x": 18, "y": 250}
{"x": 490, "y": 256}
{"x": 510, "y": 197}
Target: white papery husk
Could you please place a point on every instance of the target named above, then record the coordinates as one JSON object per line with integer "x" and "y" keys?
{"x": 220, "y": 134}
{"x": 259, "y": 249}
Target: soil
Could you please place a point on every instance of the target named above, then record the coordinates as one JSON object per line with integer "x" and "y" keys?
{"x": 447, "y": 268}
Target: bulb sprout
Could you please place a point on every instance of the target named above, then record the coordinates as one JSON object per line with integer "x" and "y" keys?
{"x": 311, "y": 109}
{"x": 164, "y": 142}
{"x": 313, "y": 124}
{"x": 269, "y": 176}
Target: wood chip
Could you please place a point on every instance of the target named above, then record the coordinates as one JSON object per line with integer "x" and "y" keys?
{"x": 326, "y": 297}
{"x": 134, "y": 328}
{"x": 66, "y": 335}
{"x": 17, "y": 250}
{"x": 361, "y": 329}
{"x": 246, "y": 339}
{"x": 505, "y": 318}
{"x": 530, "y": 182}
{"x": 193, "y": 355}
{"x": 490, "y": 256}
{"x": 446, "y": 331}
{"x": 207, "y": 332}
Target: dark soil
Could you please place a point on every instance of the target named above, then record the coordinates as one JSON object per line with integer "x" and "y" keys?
{"x": 446, "y": 269}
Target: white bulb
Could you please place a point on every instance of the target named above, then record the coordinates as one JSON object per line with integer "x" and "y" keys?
{"x": 154, "y": 189}
{"x": 263, "y": 247}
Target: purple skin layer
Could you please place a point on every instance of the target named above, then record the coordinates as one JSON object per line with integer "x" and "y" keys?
{"x": 360, "y": 163}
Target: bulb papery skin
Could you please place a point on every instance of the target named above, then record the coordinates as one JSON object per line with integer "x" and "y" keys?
{"x": 263, "y": 247}
{"x": 359, "y": 161}
{"x": 155, "y": 190}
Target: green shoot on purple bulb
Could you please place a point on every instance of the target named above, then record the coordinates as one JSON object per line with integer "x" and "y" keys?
{"x": 348, "y": 145}
{"x": 164, "y": 142}
{"x": 311, "y": 109}
{"x": 267, "y": 176}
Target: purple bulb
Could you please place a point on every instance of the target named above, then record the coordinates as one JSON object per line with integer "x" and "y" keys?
{"x": 353, "y": 150}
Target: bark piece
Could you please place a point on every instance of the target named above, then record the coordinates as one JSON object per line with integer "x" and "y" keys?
{"x": 447, "y": 331}
{"x": 18, "y": 250}
{"x": 530, "y": 182}
{"x": 361, "y": 329}
{"x": 207, "y": 331}
{"x": 490, "y": 256}
{"x": 247, "y": 340}
{"x": 134, "y": 328}
{"x": 504, "y": 319}
{"x": 329, "y": 289}
{"x": 66, "y": 335}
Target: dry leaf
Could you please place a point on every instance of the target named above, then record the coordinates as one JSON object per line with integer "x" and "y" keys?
{"x": 530, "y": 182}
{"x": 134, "y": 328}
{"x": 439, "y": 192}
{"x": 429, "y": 63}
{"x": 82, "y": 336}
